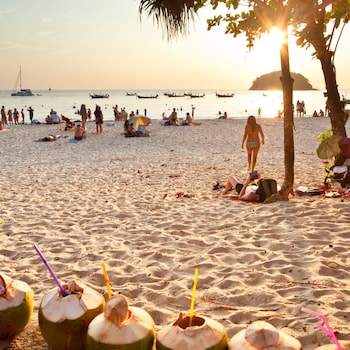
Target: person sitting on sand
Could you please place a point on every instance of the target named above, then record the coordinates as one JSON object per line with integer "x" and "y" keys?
{"x": 245, "y": 191}
{"x": 48, "y": 119}
{"x": 79, "y": 132}
{"x": 188, "y": 120}
{"x": 224, "y": 116}
{"x": 55, "y": 118}
{"x": 173, "y": 118}
{"x": 126, "y": 126}
{"x": 131, "y": 132}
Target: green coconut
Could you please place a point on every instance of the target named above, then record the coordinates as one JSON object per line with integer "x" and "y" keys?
{"x": 121, "y": 327}
{"x": 200, "y": 333}
{"x": 64, "y": 320}
{"x": 16, "y": 306}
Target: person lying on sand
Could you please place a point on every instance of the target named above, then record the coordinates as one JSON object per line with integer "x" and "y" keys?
{"x": 50, "y": 138}
{"x": 247, "y": 190}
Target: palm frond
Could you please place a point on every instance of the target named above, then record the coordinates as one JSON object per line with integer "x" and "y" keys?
{"x": 173, "y": 16}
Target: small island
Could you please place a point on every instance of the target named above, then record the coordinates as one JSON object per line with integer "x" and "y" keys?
{"x": 271, "y": 81}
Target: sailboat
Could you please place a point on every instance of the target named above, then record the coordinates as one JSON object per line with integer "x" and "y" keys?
{"x": 21, "y": 92}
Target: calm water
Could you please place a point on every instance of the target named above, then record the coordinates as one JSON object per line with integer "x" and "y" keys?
{"x": 244, "y": 103}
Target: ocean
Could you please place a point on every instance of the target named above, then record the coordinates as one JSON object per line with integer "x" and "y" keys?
{"x": 243, "y": 104}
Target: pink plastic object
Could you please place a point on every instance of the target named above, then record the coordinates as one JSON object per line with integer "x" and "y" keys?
{"x": 324, "y": 326}
{"x": 63, "y": 292}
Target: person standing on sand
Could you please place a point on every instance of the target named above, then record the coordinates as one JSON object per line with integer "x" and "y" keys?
{"x": 251, "y": 137}
{"x": 9, "y": 116}
{"x": 31, "y": 113}
{"x": 116, "y": 113}
{"x": 22, "y": 115}
{"x": 3, "y": 116}
{"x": 15, "y": 116}
{"x": 83, "y": 114}
{"x": 98, "y": 119}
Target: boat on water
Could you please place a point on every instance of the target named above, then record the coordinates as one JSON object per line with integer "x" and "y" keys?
{"x": 173, "y": 94}
{"x": 147, "y": 96}
{"x": 224, "y": 95}
{"x": 131, "y": 94}
{"x": 197, "y": 95}
{"x": 99, "y": 95}
{"x": 21, "y": 92}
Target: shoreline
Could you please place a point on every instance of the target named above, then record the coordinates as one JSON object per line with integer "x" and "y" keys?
{"x": 146, "y": 206}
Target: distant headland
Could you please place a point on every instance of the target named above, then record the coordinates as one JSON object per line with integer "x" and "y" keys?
{"x": 271, "y": 81}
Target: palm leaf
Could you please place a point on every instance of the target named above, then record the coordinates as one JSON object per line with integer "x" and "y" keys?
{"x": 173, "y": 16}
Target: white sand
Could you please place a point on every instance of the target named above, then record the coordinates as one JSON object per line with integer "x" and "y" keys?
{"x": 118, "y": 199}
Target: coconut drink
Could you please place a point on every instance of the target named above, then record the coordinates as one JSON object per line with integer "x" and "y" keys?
{"x": 192, "y": 332}
{"x": 64, "y": 320}
{"x": 262, "y": 335}
{"x": 16, "y": 306}
{"x": 121, "y": 327}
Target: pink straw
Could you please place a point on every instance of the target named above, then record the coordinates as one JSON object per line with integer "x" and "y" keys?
{"x": 325, "y": 327}
{"x": 63, "y": 292}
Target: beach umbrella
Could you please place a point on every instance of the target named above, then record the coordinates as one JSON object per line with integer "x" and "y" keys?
{"x": 329, "y": 147}
{"x": 139, "y": 120}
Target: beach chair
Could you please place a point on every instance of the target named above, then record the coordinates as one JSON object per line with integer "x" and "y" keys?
{"x": 340, "y": 171}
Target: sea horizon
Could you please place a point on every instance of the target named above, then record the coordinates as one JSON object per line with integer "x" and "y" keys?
{"x": 244, "y": 102}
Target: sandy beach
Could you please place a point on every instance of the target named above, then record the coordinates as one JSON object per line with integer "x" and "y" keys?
{"x": 147, "y": 208}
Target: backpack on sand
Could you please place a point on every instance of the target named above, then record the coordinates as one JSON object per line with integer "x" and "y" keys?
{"x": 266, "y": 188}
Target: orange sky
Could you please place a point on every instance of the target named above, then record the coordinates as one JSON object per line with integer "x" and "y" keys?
{"x": 84, "y": 44}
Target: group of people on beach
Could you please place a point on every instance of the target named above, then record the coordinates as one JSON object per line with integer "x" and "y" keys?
{"x": 12, "y": 117}
{"x": 173, "y": 119}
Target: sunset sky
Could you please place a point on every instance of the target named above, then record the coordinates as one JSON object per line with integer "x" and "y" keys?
{"x": 89, "y": 44}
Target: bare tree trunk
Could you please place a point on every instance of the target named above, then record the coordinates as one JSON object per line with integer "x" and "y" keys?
{"x": 287, "y": 88}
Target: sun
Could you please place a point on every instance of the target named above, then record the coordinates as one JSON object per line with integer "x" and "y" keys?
{"x": 276, "y": 36}
{"x": 265, "y": 55}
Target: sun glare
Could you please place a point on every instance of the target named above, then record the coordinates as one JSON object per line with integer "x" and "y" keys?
{"x": 276, "y": 36}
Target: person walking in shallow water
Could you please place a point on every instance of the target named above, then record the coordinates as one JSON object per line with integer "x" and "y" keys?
{"x": 252, "y": 134}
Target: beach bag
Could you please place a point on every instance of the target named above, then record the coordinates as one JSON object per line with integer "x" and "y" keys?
{"x": 266, "y": 188}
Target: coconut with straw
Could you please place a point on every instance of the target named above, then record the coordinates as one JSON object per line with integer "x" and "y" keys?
{"x": 121, "y": 327}
{"x": 66, "y": 311}
{"x": 192, "y": 331}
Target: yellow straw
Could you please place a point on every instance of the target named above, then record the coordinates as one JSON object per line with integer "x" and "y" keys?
{"x": 106, "y": 280}
{"x": 193, "y": 294}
